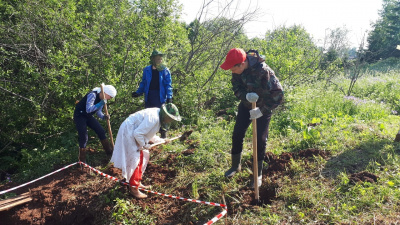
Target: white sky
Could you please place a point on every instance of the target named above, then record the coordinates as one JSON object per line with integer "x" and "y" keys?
{"x": 316, "y": 16}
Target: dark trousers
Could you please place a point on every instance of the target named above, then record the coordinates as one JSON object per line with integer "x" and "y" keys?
{"x": 153, "y": 99}
{"x": 81, "y": 124}
{"x": 242, "y": 123}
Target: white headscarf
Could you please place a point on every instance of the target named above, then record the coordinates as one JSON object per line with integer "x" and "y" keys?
{"x": 108, "y": 89}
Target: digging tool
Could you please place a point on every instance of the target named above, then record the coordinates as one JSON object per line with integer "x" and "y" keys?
{"x": 108, "y": 121}
{"x": 255, "y": 162}
{"x": 183, "y": 137}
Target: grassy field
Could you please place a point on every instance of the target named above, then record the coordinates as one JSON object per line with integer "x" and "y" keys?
{"x": 356, "y": 131}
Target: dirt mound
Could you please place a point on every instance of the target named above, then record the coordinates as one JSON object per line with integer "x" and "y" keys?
{"x": 269, "y": 156}
{"x": 282, "y": 162}
{"x": 278, "y": 163}
{"x": 363, "y": 177}
{"x": 188, "y": 152}
{"x": 61, "y": 199}
{"x": 156, "y": 174}
{"x": 185, "y": 135}
{"x": 171, "y": 159}
{"x": 267, "y": 192}
{"x": 311, "y": 152}
{"x": 192, "y": 143}
{"x": 76, "y": 196}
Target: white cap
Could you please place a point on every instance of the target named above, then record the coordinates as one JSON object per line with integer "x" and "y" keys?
{"x": 108, "y": 89}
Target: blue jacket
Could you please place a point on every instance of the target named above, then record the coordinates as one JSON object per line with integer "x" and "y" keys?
{"x": 165, "y": 84}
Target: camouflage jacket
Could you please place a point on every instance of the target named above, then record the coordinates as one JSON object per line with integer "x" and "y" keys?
{"x": 261, "y": 79}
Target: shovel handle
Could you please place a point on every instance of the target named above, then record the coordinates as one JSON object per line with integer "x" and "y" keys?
{"x": 255, "y": 161}
{"x": 108, "y": 121}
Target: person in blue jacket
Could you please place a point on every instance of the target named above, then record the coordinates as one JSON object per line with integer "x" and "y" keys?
{"x": 156, "y": 84}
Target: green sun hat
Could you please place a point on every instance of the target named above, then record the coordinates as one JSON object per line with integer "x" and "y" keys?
{"x": 156, "y": 52}
{"x": 171, "y": 111}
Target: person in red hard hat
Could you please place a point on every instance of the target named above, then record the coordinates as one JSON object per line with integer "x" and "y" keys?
{"x": 252, "y": 81}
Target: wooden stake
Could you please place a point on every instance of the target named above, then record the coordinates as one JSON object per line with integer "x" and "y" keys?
{"x": 108, "y": 121}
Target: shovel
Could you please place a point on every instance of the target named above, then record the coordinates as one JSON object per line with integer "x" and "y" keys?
{"x": 183, "y": 137}
{"x": 255, "y": 164}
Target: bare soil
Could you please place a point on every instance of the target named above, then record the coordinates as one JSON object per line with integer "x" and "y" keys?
{"x": 77, "y": 196}
{"x": 363, "y": 177}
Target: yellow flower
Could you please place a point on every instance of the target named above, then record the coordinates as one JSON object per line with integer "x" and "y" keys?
{"x": 398, "y": 47}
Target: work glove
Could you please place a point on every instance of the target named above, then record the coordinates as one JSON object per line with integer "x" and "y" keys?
{"x": 255, "y": 113}
{"x": 146, "y": 146}
{"x": 106, "y": 117}
{"x": 169, "y": 100}
{"x": 252, "y": 97}
{"x": 100, "y": 104}
{"x": 135, "y": 95}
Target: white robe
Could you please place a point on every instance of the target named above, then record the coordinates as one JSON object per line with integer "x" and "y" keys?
{"x": 136, "y": 131}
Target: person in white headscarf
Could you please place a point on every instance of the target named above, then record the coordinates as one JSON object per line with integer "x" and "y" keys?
{"x": 131, "y": 153}
{"x": 92, "y": 103}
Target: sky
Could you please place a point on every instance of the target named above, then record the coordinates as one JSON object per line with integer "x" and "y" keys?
{"x": 316, "y": 16}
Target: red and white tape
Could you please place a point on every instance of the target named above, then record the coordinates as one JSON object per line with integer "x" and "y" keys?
{"x": 213, "y": 220}
{"x": 30, "y": 182}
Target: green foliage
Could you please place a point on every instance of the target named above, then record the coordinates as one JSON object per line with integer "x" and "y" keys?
{"x": 384, "y": 38}
{"x": 291, "y": 53}
{"x": 126, "y": 212}
{"x": 54, "y": 56}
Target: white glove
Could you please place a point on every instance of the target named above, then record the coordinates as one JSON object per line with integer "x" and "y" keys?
{"x": 146, "y": 146}
{"x": 252, "y": 97}
{"x": 255, "y": 113}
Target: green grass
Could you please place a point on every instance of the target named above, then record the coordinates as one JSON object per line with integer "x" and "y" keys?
{"x": 358, "y": 132}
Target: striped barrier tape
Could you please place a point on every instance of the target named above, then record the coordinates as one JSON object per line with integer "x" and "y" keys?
{"x": 30, "y": 182}
{"x": 213, "y": 220}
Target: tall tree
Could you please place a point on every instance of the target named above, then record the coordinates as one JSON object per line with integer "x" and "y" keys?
{"x": 291, "y": 53}
{"x": 53, "y": 52}
{"x": 385, "y": 36}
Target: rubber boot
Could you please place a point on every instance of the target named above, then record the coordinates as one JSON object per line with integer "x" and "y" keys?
{"x": 82, "y": 155}
{"x": 259, "y": 169}
{"x": 107, "y": 147}
{"x": 236, "y": 167}
{"x": 397, "y": 139}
